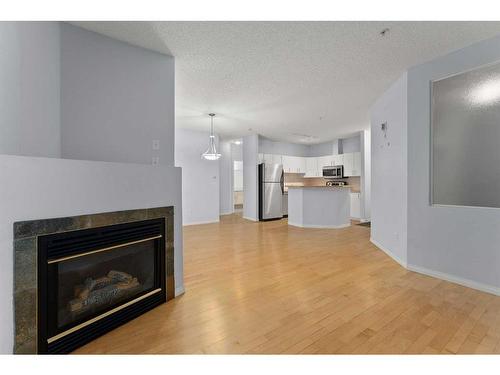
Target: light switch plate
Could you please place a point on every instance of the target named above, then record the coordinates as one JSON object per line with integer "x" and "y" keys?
{"x": 155, "y": 160}
{"x": 156, "y": 144}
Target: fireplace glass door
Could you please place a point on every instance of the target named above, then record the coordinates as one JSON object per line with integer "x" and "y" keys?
{"x": 89, "y": 285}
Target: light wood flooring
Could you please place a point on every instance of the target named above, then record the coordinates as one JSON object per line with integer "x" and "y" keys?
{"x": 270, "y": 288}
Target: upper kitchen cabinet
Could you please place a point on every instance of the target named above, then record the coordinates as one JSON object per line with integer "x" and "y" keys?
{"x": 325, "y": 161}
{"x": 294, "y": 164}
{"x": 277, "y": 159}
{"x": 357, "y": 164}
{"x": 311, "y": 167}
{"x": 270, "y": 158}
{"x": 352, "y": 164}
{"x": 348, "y": 164}
{"x": 338, "y": 159}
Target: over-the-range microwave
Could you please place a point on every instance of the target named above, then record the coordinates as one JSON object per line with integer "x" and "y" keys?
{"x": 336, "y": 171}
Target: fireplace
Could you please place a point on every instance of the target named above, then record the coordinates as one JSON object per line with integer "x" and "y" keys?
{"x": 91, "y": 280}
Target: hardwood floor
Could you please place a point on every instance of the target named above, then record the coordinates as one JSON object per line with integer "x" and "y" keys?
{"x": 269, "y": 288}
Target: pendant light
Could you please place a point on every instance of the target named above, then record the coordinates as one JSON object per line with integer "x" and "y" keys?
{"x": 211, "y": 153}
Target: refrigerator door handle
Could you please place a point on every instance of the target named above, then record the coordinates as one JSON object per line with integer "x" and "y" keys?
{"x": 282, "y": 183}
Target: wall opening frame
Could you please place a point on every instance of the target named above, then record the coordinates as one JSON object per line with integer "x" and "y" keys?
{"x": 465, "y": 138}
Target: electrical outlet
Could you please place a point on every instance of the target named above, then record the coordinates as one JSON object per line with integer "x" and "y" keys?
{"x": 155, "y": 160}
{"x": 156, "y": 144}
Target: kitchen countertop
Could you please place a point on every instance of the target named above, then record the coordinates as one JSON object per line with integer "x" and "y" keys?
{"x": 318, "y": 187}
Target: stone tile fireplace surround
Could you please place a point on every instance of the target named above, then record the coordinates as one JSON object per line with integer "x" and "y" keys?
{"x": 25, "y": 261}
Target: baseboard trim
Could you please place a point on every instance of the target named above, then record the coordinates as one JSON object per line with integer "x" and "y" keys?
{"x": 390, "y": 253}
{"x": 440, "y": 275}
{"x": 200, "y": 222}
{"x": 456, "y": 280}
{"x": 249, "y": 218}
{"x": 179, "y": 290}
{"x": 320, "y": 226}
{"x": 226, "y": 213}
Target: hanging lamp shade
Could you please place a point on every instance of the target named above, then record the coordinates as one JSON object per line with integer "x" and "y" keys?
{"x": 211, "y": 153}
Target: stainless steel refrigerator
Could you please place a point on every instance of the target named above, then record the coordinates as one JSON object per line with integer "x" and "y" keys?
{"x": 271, "y": 189}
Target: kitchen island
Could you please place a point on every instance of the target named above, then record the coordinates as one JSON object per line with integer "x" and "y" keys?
{"x": 319, "y": 206}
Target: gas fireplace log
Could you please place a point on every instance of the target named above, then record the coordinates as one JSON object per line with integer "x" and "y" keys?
{"x": 102, "y": 290}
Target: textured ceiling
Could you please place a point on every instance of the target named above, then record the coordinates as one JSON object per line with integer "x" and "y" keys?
{"x": 303, "y": 82}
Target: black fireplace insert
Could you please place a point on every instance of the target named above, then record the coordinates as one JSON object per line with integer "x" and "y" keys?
{"x": 90, "y": 281}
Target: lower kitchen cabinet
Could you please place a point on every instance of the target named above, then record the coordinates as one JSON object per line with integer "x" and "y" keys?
{"x": 355, "y": 205}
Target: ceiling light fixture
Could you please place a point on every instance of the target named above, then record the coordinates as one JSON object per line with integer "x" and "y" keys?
{"x": 211, "y": 153}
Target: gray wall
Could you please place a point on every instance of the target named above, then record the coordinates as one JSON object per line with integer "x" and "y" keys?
{"x": 200, "y": 178}
{"x": 388, "y": 171}
{"x": 29, "y": 89}
{"x": 115, "y": 99}
{"x": 460, "y": 243}
{"x": 323, "y": 149}
{"x": 337, "y": 146}
{"x": 351, "y": 144}
{"x": 250, "y": 159}
{"x": 226, "y": 205}
{"x": 267, "y": 146}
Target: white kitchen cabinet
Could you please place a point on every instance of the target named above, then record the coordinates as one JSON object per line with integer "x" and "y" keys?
{"x": 294, "y": 164}
{"x": 268, "y": 158}
{"x": 338, "y": 159}
{"x": 287, "y": 163}
{"x": 301, "y": 164}
{"x": 356, "y": 169}
{"x": 348, "y": 164}
{"x": 355, "y": 205}
{"x": 324, "y": 161}
{"x": 311, "y": 167}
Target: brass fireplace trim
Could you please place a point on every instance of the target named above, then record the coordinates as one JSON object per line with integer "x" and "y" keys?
{"x": 58, "y": 260}
{"x": 99, "y": 317}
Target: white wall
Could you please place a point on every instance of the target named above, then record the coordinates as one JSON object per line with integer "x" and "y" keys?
{"x": 366, "y": 172}
{"x": 250, "y": 177}
{"x": 200, "y": 178}
{"x": 40, "y": 188}
{"x": 226, "y": 178}
{"x": 388, "y": 171}
{"x": 30, "y": 89}
{"x": 458, "y": 243}
{"x": 115, "y": 99}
